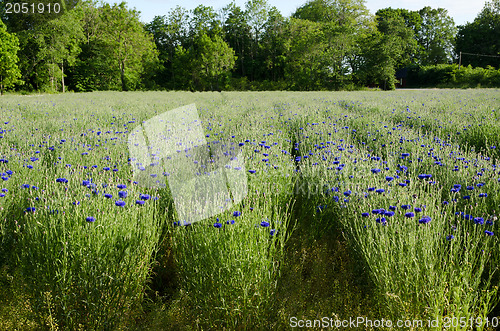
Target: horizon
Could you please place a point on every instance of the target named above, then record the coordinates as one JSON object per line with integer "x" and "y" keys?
{"x": 461, "y": 11}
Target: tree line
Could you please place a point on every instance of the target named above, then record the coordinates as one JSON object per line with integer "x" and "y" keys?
{"x": 323, "y": 45}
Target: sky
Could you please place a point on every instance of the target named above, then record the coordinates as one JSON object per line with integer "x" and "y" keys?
{"x": 462, "y": 11}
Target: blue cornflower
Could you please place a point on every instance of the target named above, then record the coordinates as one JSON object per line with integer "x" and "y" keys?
{"x": 445, "y": 203}
{"x": 375, "y": 170}
{"x": 236, "y": 213}
{"x": 61, "y": 180}
{"x": 145, "y": 197}
{"x": 371, "y": 189}
{"x": 479, "y": 220}
{"x": 418, "y": 210}
{"x": 121, "y": 186}
{"x": 466, "y": 197}
{"x": 264, "y": 224}
{"x": 5, "y": 190}
{"x": 365, "y": 214}
{"x": 392, "y": 208}
{"x": 410, "y": 215}
{"x": 483, "y": 195}
{"x": 26, "y": 186}
{"x": 106, "y": 168}
{"x": 90, "y": 219}
{"x": 30, "y": 209}
{"x": 230, "y": 222}
{"x": 450, "y": 237}
{"x": 381, "y": 220}
{"x": 380, "y": 190}
{"x": 424, "y": 220}
{"x": 406, "y": 206}
{"x": 489, "y": 233}
{"x": 120, "y": 203}
{"x": 347, "y": 193}
{"x": 217, "y": 225}
{"x": 139, "y": 202}
{"x": 122, "y": 194}
{"x": 389, "y": 178}
{"x": 252, "y": 171}
{"x": 470, "y": 188}
{"x": 85, "y": 183}
{"x": 389, "y": 213}
{"x": 108, "y": 196}
{"x": 273, "y": 232}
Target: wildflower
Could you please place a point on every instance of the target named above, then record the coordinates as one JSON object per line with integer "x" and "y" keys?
{"x": 90, "y": 219}
{"x": 122, "y": 194}
{"x": 30, "y": 209}
{"x": 121, "y": 186}
{"x": 252, "y": 171}
{"x": 489, "y": 233}
{"x": 418, "y": 210}
{"x": 450, "y": 237}
{"x": 139, "y": 202}
{"x": 406, "y": 206}
{"x": 217, "y": 225}
{"x": 85, "y": 183}
{"x": 365, "y": 214}
{"x": 402, "y": 184}
{"x": 371, "y": 189}
{"x": 5, "y": 190}
{"x": 470, "y": 188}
{"x": 273, "y": 232}
{"x": 389, "y": 178}
{"x": 264, "y": 224}
{"x": 230, "y": 222}
{"x": 106, "y": 168}
{"x": 381, "y": 220}
{"x": 409, "y": 215}
{"x": 380, "y": 190}
{"x": 144, "y": 196}
{"x": 26, "y": 186}
{"x": 479, "y": 220}
{"x": 108, "y": 196}
{"x": 466, "y": 197}
{"x": 389, "y": 213}
{"x": 61, "y": 180}
{"x": 120, "y": 203}
{"x": 445, "y": 203}
{"x": 237, "y": 213}
{"x": 375, "y": 170}
{"x": 347, "y": 193}
{"x": 424, "y": 220}
{"x": 483, "y": 195}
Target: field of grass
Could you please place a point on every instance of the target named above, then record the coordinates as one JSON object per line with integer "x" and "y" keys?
{"x": 361, "y": 205}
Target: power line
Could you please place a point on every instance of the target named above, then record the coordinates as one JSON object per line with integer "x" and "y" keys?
{"x": 485, "y": 55}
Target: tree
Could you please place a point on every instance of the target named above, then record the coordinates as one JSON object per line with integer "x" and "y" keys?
{"x": 344, "y": 23}
{"x": 386, "y": 50}
{"x": 238, "y": 36}
{"x": 61, "y": 45}
{"x": 436, "y": 36}
{"x": 306, "y": 67}
{"x": 118, "y": 51}
{"x": 215, "y": 58}
{"x": 482, "y": 36}
{"x": 9, "y": 71}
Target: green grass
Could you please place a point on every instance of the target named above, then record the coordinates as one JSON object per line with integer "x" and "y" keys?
{"x": 300, "y": 247}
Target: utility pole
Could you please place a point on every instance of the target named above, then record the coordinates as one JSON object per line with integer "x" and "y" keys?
{"x": 460, "y": 61}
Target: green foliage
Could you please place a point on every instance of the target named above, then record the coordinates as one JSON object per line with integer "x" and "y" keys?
{"x": 481, "y": 37}
{"x": 9, "y": 71}
{"x": 449, "y": 75}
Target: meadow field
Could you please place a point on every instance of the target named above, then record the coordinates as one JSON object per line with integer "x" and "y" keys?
{"x": 374, "y": 206}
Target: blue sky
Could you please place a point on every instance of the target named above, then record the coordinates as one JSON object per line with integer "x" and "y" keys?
{"x": 462, "y": 11}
